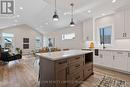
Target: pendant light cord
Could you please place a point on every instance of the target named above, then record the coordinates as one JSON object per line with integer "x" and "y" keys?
{"x": 72, "y": 10}
{"x": 55, "y": 6}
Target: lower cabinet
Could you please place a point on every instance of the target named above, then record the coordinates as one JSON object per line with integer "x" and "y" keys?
{"x": 120, "y": 60}
{"x": 107, "y": 58}
{"x": 69, "y": 72}
{"x": 61, "y": 78}
{"x": 75, "y": 79}
{"x": 98, "y": 59}
{"x": 113, "y": 59}
{"x": 88, "y": 70}
{"x": 129, "y": 62}
{"x": 61, "y": 73}
{"x": 74, "y": 70}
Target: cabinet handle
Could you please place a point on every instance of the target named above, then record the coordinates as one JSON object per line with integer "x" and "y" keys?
{"x": 101, "y": 56}
{"x": 77, "y": 65}
{"x": 120, "y": 52}
{"x": 77, "y": 58}
{"x": 68, "y": 70}
{"x": 62, "y": 62}
{"x": 113, "y": 57}
{"x": 77, "y": 77}
{"x": 128, "y": 54}
{"x": 123, "y": 34}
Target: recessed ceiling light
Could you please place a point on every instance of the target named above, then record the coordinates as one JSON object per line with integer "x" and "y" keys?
{"x": 41, "y": 26}
{"x": 46, "y": 23}
{"x": 21, "y": 8}
{"x": 113, "y": 1}
{"x": 15, "y": 20}
{"x": 67, "y": 13}
{"x": 103, "y": 14}
{"x": 18, "y": 16}
{"x": 89, "y": 11}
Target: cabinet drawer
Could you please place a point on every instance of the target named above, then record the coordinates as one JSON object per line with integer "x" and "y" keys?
{"x": 75, "y": 67}
{"x": 61, "y": 64}
{"x": 87, "y": 72}
{"x": 88, "y": 66}
{"x": 75, "y": 79}
{"x": 75, "y": 59}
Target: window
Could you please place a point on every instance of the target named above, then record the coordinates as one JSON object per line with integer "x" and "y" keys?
{"x": 25, "y": 43}
{"x": 38, "y": 42}
{"x": 68, "y": 36}
{"x": 105, "y": 35}
{"x": 7, "y": 40}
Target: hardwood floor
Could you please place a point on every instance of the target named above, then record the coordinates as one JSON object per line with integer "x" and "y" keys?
{"x": 25, "y": 74}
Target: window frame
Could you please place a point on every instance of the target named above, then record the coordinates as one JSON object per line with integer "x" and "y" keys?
{"x": 104, "y": 31}
{"x": 65, "y": 36}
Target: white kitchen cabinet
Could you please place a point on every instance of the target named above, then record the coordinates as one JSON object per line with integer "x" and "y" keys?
{"x": 88, "y": 30}
{"x": 119, "y": 24}
{"x": 98, "y": 60}
{"x": 129, "y": 62}
{"x": 122, "y": 26}
{"x": 107, "y": 59}
{"x": 127, "y": 23}
{"x": 113, "y": 59}
{"x": 120, "y": 60}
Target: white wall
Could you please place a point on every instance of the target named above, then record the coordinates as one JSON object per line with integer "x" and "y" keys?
{"x": 103, "y": 22}
{"x": 109, "y": 21}
{"x": 71, "y": 44}
{"x": 20, "y": 32}
{"x": 78, "y": 43}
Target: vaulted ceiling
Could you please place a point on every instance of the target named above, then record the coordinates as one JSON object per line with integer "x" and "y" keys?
{"x": 38, "y": 13}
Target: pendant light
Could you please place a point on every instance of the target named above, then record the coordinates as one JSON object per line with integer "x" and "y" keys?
{"x": 55, "y": 16}
{"x": 72, "y": 13}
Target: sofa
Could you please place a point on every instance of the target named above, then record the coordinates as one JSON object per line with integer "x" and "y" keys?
{"x": 6, "y": 57}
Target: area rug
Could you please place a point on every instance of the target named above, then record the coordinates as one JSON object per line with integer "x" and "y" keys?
{"x": 109, "y": 81}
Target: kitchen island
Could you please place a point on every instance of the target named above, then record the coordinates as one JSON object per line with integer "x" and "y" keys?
{"x": 65, "y": 68}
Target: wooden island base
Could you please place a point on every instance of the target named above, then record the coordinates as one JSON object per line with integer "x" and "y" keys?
{"x": 67, "y": 71}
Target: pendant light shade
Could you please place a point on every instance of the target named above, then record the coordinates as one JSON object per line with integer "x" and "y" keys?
{"x": 72, "y": 23}
{"x": 72, "y": 20}
{"x": 55, "y": 16}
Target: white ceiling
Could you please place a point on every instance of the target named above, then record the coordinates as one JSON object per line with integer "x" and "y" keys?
{"x": 38, "y": 13}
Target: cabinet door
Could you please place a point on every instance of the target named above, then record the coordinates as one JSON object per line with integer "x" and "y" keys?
{"x": 128, "y": 62}
{"x": 88, "y": 30}
{"x": 107, "y": 59}
{"x": 127, "y": 23}
{"x": 98, "y": 60}
{"x": 119, "y": 24}
{"x": 61, "y": 78}
{"x": 120, "y": 60}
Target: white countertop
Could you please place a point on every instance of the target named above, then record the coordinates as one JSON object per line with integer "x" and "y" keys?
{"x": 62, "y": 54}
{"x": 110, "y": 49}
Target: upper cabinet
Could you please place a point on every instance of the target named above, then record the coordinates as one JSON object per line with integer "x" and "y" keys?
{"x": 127, "y": 22}
{"x": 122, "y": 25}
{"x": 129, "y": 61}
{"x": 119, "y": 24}
{"x": 88, "y": 30}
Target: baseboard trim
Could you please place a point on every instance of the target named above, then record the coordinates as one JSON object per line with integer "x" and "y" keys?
{"x": 113, "y": 69}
